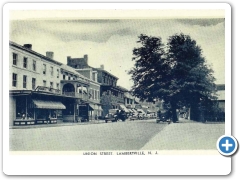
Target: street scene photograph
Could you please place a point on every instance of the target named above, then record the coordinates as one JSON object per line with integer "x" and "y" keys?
{"x": 80, "y": 83}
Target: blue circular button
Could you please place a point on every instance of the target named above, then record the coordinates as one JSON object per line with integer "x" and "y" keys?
{"x": 227, "y": 145}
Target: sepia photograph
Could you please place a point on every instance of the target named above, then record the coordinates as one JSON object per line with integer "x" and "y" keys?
{"x": 110, "y": 82}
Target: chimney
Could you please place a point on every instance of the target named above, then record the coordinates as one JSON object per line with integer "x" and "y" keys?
{"x": 68, "y": 60}
{"x": 29, "y": 46}
{"x": 50, "y": 54}
{"x": 102, "y": 67}
{"x": 86, "y": 58}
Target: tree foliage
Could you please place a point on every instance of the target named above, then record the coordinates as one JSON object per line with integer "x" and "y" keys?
{"x": 176, "y": 72}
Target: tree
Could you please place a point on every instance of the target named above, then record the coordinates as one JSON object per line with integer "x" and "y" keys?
{"x": 178, "y": 74}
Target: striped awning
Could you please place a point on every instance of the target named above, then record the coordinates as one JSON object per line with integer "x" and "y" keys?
{"x": 48, "y": 104}
{"x": 122, "y": 107}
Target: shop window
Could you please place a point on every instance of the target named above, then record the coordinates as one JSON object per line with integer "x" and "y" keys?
{"x": 25, "y": 62}
{"x": 24, "y": 81}
{"x": 15, "y": 58}
{"x": 14, "y": 80}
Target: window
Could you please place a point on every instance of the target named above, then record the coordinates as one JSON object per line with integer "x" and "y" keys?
{"x": 14, "y": 80}
{"x": 34, "y": 65}
{"x": 15, "y": 59}
{"x": 69, "y": 78}
{"x": 33, "y": 83}
{"x": 57, "y": 73}
{"x": 25, "y": 62}
{"x": 44, "y": 68}
{"x": 51, "y": 70}
{"x": 98, "y": 96}
{"x": 44, "y": 83}
{"x": 95, "y": 94}
{"x": 51, "y": 84}
{"x": 57, "y": 85}
{"x": 24, "y": 81}
{"x": 64, "y": 77}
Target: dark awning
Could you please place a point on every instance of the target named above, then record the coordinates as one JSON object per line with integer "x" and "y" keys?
{"x": 48, "y": 104}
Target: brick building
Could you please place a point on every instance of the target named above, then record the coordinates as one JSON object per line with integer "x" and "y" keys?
{"x": 108, "y": 82}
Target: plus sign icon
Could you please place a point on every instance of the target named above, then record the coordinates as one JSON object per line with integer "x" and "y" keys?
{"x": 227, "y": 145}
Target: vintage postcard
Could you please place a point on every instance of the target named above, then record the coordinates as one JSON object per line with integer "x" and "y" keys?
{"x": 116, "y": 89}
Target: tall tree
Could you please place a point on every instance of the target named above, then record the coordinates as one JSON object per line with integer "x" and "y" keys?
{"x": 178, "y": 75}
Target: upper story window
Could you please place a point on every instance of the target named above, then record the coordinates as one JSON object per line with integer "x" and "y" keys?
{"x": 93, "y": 77}
{"x": 51, "y": 70}
{"x": 15, "y": 56}
{"x": 34, "y": 65}
{"x": 64, "y": 77}
{"x": 25, "y": 62}
{"x": 69, "y": 78}
{"x": 24, "y": 81}
{"x": 51, "y": 84}
{"x": 57, "y": 85}
{"x": 96, "y": 95}
{"x": 14, "y": 80}
{"x": 44, "y": 69}
{"x": 57, "y": 73}
{"x": 44, "y": 83}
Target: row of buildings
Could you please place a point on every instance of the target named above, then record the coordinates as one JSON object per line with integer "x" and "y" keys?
{"x": 43, "y": 90}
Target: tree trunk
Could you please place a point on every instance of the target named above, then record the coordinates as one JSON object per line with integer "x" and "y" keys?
{"x": 174, "y": 113}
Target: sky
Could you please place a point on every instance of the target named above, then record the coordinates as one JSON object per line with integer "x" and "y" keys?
{"x": 110, "y": 41}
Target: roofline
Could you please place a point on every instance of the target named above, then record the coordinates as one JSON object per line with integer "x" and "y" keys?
{"x": 106, "y": 72}
{"x": 11, "y": 43}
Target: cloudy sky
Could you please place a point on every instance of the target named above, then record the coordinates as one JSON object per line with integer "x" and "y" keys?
{"x": 110, "y": 42}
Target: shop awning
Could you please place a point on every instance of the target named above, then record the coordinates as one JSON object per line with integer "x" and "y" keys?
{"x": 133, "y": 110}
{"x": 122, "y": 107}
{"x": 91, "y": 107}
{"x": 48, "y": 104}
{"x": 140, "y": 111}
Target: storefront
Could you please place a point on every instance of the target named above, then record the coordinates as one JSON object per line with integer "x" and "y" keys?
{"x": 29, "y": 108}
{"x": 46, "y": 112}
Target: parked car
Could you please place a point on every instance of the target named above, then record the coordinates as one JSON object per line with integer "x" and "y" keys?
{"x": 141, "y": 114}
{"x": 114, "y": 115}
{"x": 133, "y": 116}
{"x": 150, "y": 115}
{"x": 164, "y": 116}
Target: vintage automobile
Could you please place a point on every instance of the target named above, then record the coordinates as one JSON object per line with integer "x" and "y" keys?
{"x": 141, "y": 114}
{"x": 164, "y": 116}
{"x": 134, "y": 115}
{"x": 114, "y": 115}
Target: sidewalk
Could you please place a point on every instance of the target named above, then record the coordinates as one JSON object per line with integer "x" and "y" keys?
{"x": 58, "y": 124}
{"x": 187, "y": 135}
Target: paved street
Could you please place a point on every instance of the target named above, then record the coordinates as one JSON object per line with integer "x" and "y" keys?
{"x": 187, "y": 135}
{"x": 129, "y": 135}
